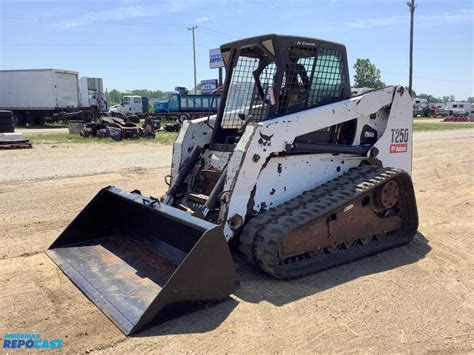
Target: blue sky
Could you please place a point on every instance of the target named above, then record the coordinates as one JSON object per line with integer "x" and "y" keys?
{"x": 135, "y": 44}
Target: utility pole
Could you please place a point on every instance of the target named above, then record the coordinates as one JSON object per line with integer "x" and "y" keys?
{"x": 194, "y": 57}
{"x": 412, "y": 7}
{"x": 220, "y": 76}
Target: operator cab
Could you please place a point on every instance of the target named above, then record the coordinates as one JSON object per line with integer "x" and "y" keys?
{"x": 272, "y": 75}
{"x": 267, "y": 77}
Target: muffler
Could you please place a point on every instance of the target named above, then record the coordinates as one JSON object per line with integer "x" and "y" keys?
{"x": 141, "y": 261}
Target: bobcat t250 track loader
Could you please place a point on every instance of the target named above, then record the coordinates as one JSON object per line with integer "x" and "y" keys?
{"x": 302, "y": 174}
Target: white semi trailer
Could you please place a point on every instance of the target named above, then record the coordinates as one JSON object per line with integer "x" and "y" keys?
{"x": 36, "y": 95}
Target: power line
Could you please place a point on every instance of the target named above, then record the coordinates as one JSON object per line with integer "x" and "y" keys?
{"x": 214, "y": 36}
{"x": 98, "y": 45}
{"x": 60, "y": 20}
{"x": 217, "y": 32}
{"x": 206, "y": 29}
{"x": 86, "y": 21}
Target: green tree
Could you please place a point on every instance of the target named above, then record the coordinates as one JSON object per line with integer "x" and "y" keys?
{"x": 449, "y": 98}
{"x": 367, "y": 74}
{"x": 470, "y": 99}
{"x": 148, "y": 93}
{"x": 197, "y": 89}
{"x": 430, "y": 98}
{"x": 114, "y": 97}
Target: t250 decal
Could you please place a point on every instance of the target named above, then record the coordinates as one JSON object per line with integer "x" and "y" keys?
{"x": 399, "y": 140}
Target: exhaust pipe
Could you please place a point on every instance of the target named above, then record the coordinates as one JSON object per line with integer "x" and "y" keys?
{"x": 141, "y": 261}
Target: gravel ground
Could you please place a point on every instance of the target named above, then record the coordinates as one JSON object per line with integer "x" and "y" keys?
{"x": 416, "y": 298}
{"x": 68, "y": 160}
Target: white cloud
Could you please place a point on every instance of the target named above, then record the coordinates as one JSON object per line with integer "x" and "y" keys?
{"x": 127, "y": 11}
{"x": 202, "y": 19}
{"x": 465, "y": 15}
{"x": 376, "y": 22}
{"x": 128, "y": 2}
{"x": 240, "y": 12}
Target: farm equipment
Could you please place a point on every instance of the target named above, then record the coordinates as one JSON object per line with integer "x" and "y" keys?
{"x": 457, "y": 118}
{"x": 299, "y": 173}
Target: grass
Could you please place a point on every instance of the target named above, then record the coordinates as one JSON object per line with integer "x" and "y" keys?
{"x": 64, "y": 137}
{"x": 163, "y": 137}
{"x": 440, "y": 126}
{"x": 47, "y": 126}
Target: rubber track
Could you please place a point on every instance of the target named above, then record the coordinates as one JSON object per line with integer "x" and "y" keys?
{"x": 260, "y": 238}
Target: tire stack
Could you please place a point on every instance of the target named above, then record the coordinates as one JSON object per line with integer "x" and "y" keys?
{"x": 6, "y": 122}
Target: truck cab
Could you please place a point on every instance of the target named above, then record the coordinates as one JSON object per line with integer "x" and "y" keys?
{"x": 91, "y": 93}
{"x": 169, "y": 103}
{"x": 131, "y": 104}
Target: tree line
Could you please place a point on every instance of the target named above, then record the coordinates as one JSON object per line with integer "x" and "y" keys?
{"x": 367, "y": 75}
{"x": 114, "y": 96}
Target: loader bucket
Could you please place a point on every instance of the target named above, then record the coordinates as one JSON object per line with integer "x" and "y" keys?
{"x": 140, "y": 261}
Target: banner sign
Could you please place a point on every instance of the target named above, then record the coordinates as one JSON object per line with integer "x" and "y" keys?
{"x": 208, "y": 86}
{"x": 215, "y": 59}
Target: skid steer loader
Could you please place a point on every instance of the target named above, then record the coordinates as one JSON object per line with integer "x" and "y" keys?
{"x": 302, "y": 175}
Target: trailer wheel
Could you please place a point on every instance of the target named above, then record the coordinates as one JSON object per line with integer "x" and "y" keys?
{"x": 6, "y": 117}
{"x": 6, "y": 122}
{"x": 184, "y": 117}
{"x": 7, "y": 128}
{"x": 19, "y": 118}
{"x": 37, "y": 121}
{"x": 5, "y": 114}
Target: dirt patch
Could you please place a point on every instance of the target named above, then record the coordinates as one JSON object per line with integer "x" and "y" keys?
{"x": 37, "y": 298}
{"x": 36, "y": 213}
{"x": 419, "y": 297}
{"x": 53, "y": 162}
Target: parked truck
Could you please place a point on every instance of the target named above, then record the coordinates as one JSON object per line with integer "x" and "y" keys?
{"x": 179, "y": 105}
{"x": 91, "y": 93}
{"x": 36, "y": 95}
{"x": 131, "y": 105}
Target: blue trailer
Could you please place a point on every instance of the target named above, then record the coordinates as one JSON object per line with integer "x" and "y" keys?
{"x": 179, "y": 106}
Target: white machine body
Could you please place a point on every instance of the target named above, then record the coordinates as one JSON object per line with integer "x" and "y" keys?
{"x": 259, "y": 168}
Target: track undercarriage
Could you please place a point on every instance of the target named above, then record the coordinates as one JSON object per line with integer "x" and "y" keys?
{"x": 366, "y": 211}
